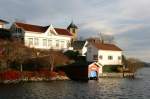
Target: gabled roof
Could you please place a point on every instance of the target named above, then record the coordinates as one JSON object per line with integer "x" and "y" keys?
{"x": 33, "y": 28}
{"x": 104, "y": 46}
{"x": 72, "y": 25}
{"x": 41, "y": 29}
{"x": 3, "y": 21}
{"x": 78, "y": 45}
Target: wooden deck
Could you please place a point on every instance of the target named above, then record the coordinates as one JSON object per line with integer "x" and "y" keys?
{"x": 117, "y": 75}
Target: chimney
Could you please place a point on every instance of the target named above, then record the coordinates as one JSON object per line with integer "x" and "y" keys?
{"x": 102, "y": 41}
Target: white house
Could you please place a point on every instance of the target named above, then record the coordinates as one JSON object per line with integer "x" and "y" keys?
{"x": 104, "y": 55}
{"x": 42, "y": 37}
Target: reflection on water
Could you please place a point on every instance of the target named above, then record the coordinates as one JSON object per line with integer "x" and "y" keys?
{"x": 106, "y": 88}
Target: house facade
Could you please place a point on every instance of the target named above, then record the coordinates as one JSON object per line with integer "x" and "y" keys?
{"x": 105, "y": 54}
{"x": 42, "y": 37}
{"x": 104, "y": 57}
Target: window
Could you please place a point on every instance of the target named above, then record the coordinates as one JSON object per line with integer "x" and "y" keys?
{"x": 110, "y": 57}
{"x": 15, "y": 30}
{"x": 36, "y": 41}
{"x": 51, "y": 32}
{"x": 101, "y": 57}
{"x": 119, "y": 57}
{"x": 62, "y": 44}
{"x": 95, "y": 57}
{"x": 57, "y": 43}
{"x": 50, "y": 43}
{"x": 19, "y": 30}
{"x": 68, "y": 44}
{"x": 30, "y": 41}
{"x": 73, "y": 30}
{"x": 44, "y": 42}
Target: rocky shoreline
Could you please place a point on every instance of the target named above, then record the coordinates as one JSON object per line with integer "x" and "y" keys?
{"x": 35, "y": 79}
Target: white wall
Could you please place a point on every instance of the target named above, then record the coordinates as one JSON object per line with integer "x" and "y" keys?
{"x": 106, "y": 61}
{"x": 104, "y": 54}
{"x": 42, "y": 36}
{"x": 84, "y": 49}
{"x": 50, "y": 34}
{"x": 1, "y": 25}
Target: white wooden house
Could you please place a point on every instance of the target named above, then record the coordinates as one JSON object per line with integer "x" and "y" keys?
{"x": 42, "y": 37}
{"x": 104, "y": 54}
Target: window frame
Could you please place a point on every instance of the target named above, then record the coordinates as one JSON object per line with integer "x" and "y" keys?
{"x": 44, "y": 42}
{"x": 36, "y": 41}
{"x": 100, "y": 57}
{"x": 110, "y": 57}
{"x": 62, "y": 44}
{"x": 57, "y": 43}
{"x": 95, "y": 57}
{"x": 119, "y": 58}
{"x": 30, "y": 41}
{"x": 50, "y": 42}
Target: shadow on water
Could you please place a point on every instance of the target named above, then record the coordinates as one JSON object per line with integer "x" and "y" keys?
{"x": 76, "y": 72}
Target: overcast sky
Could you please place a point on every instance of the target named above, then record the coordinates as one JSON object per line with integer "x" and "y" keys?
{"x": 127, "y": 20}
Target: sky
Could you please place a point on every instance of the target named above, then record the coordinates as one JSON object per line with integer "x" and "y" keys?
{"x": 128, "y": 21}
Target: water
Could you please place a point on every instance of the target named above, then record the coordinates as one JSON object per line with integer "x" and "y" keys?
{"x": 106, "y": 88}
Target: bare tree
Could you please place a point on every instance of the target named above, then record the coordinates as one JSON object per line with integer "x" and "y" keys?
{"x": 14, "y": 51}
{"x": 54, "y": 58}
{"x": 51, "y": 60}
{"x": 106, "y": 38}
{"x": 21, "y": 55}
{"x": 8, "y": 52}
{"x": 124, "y": 63}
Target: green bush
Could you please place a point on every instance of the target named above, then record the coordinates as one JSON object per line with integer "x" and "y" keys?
{"x": 110, "y": 68}
{"x": 72, "y": 54}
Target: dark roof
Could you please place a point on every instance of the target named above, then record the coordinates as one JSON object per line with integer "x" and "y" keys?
{"x": 63, "y": 31}
{"x": 4, "y": 33}
{"x": 72, "y": 25}
{"x": 41, "y": 29}
{"x": 78, "y": 45}
{"x": 4, "y": 21}
{"x": 105, "y": 46}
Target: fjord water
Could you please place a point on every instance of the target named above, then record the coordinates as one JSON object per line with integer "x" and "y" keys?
{"x": 104, "y": 88}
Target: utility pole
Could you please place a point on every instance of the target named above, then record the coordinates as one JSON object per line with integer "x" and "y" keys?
{"x": 101, "y": 37}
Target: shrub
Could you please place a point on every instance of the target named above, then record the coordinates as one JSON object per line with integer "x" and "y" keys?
{"x": 72, "y": 54}
{"x": 110, "y": 68}
{"x": 10, "y": 75}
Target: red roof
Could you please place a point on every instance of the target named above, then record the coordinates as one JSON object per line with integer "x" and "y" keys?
{"x": 41, "y": 29}
{"x": 104, "y": 46}
{"x": 63, "y": 31}
{"x": 33, "y": 28}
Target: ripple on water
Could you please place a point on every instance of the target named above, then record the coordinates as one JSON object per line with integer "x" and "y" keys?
{"x": 104, "y": 88}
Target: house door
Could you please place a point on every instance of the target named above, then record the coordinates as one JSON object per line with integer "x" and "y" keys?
{"x": 93, "y": 74}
